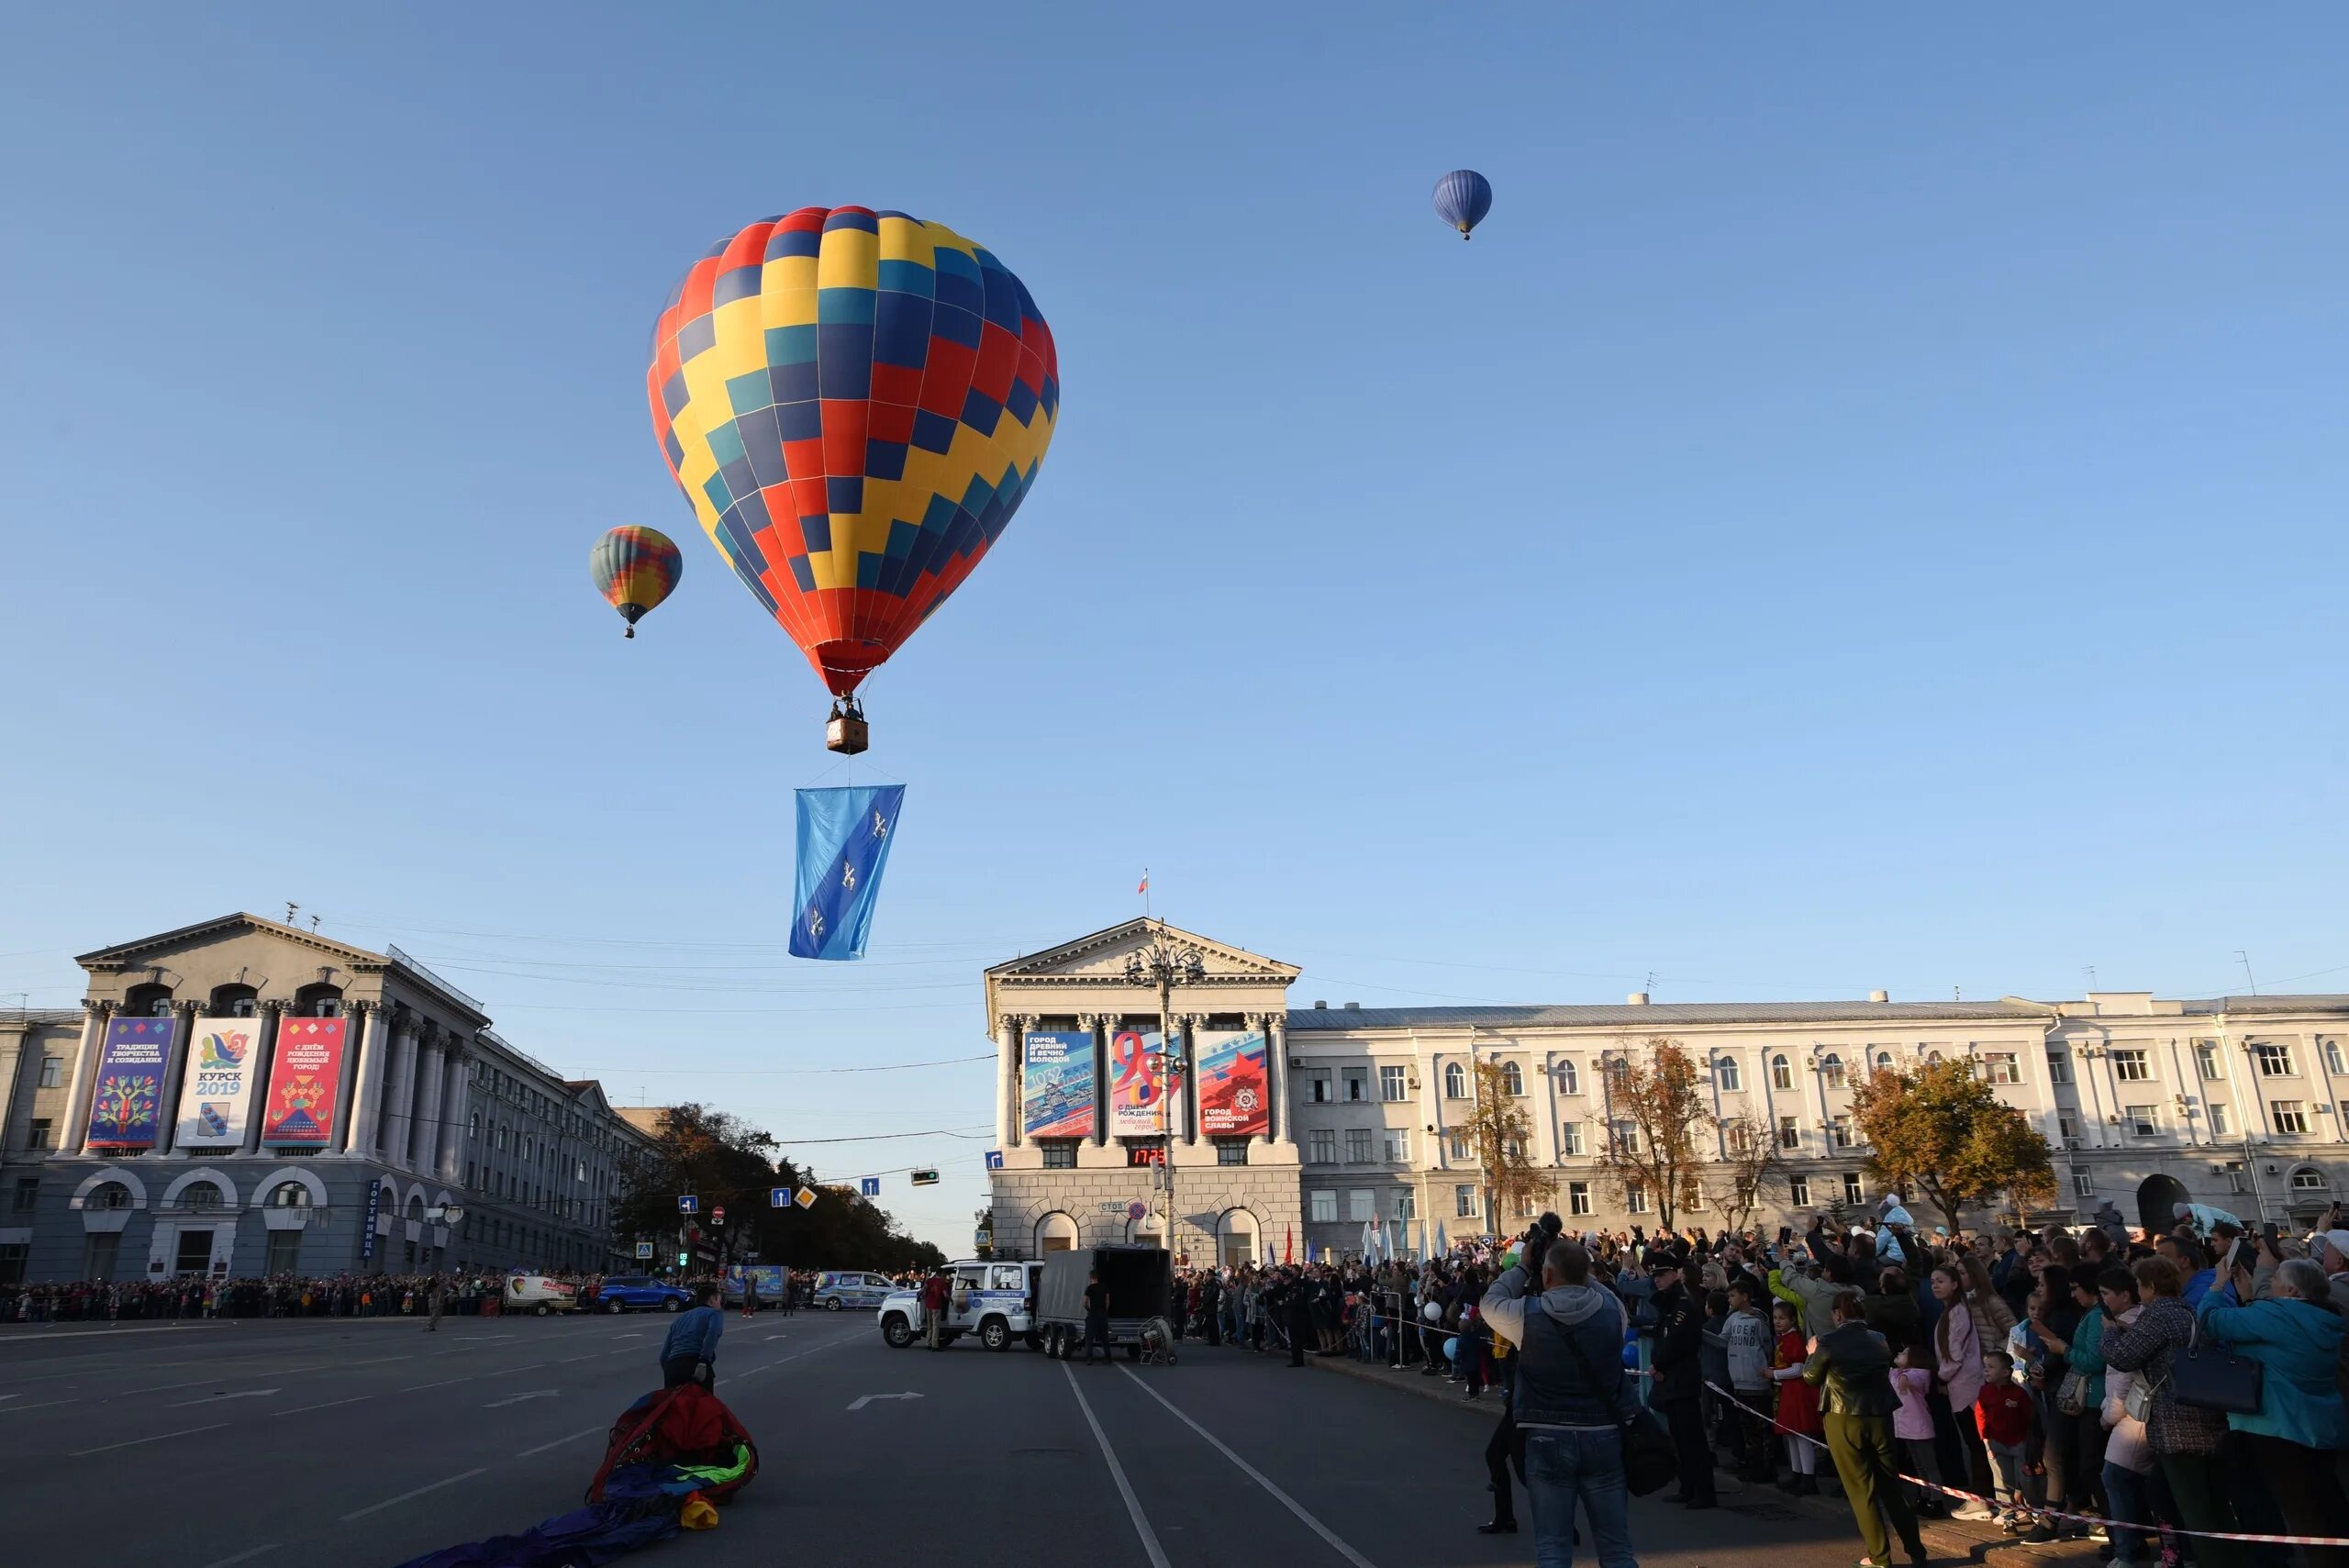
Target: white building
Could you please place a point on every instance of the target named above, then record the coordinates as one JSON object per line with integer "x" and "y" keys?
{"x": 2232, "y": 1101}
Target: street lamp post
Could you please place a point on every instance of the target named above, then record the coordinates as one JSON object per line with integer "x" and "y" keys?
{"x": 1165, "y": 966}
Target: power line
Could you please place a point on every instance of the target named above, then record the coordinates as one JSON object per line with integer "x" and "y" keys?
{"x": 788, "y": 1072}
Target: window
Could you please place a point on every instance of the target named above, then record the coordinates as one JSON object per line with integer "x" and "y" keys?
{"x": 1321, "y": 1147}
{"x": 1579, "y": 1197}
{"x": 204, "y": 1198}
{"x": 52, "y": 1072}
{"x": 2067, "y": 1126}
{"x": 28, "y": 1193}
{"x": 2131, "y": 1067}
{"x": 473, "y": 1129}
{"x": 1391, "y": 1084}
{"x": 1570, "y": 1138}
{"x": 1789, "y": 1133}
{"x": 1455, "y": 1082}
{"x": 1406, "y": 1205}
{"x": 1464, "y": 1203}
{"x": 1513, "y": 1148}
{"x": 1458, "y": 1147}
{"x": 1831, "y": 1068}
{"x": 1799, "y": 1191}
{"x": 1395, "y": 1146}
{"x": 2292, "y": 1116}
{"x": 1851, "y": 1186}
{"x": 1933, "y": 1058}
{"x": 1513, "y": 1079}
{"x": 2308, "y": 1179}
{"x": 2142, "y": 1120}
{"x": 1735, "y": 1134}
{"x": 12, "y": 1262}
{"x": 114, "y": 1194}
{"x": 1361, "y": 1203}
{"x": 2059, "y": 1067}
{"x": 2000, "y": 1067}
{"x": 1525, "y": 1208}
{"x": 1839, "y": 1131}
{"x": 2332, "y": 1061}
{"x": 1357, "y": 1085}
{"x": 1725, "y": 1076}
{"x": 1325, "y": 1205}
{"x": 501, "y": 1137}
{"x": 1635, "y": 1198}
{"x": 1317, "y": 1084}
{"x": 1231, "y": 1152}
{"x": 2218, "y": 1121}
{"x": 285, "y": 1251}
{"x": 1624, "y": 1137}
{"x": 1884, "y": 1061}
{"x": 2206, "y": 1059}
{"x": 2274, "y": 1058}
{"x": 1060, "y": 1154}
{"x": 2234, "y": 1180}
{"x": 37, "y": 1135}
{"x": 1781, "y": 1075}
{"x": 1569, "y": 1079}
{"x": 98, "y": 1249}
{"x": 2083, "y": 1184}
{"x": 1358, "y": 1145}
{"x": 1692, "y": 1198}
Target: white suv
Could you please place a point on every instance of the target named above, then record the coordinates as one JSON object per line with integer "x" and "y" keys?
{"x": 994, "y": 1301}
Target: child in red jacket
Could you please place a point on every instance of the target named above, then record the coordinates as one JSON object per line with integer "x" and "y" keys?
{"x": 2003, "y": 1414}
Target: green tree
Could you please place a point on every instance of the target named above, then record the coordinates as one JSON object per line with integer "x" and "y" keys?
{"x": 1939, "y": 1130}
{"x": 1500, "y": 1135}
{"x": 1656, "y": 1121}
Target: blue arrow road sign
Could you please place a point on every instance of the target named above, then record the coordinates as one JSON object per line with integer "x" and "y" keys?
{"x": 994, "y": 1159}
{"x": 688, "y": 1203}
{"x": 778, "y": 1197}
{"x": 869, "y": 1186}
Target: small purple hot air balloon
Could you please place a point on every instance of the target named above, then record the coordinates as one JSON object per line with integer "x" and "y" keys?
{"x": 1463, "y": 198}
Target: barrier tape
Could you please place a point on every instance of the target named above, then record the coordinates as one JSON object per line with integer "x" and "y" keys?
{"x": 2037, "y": 1510}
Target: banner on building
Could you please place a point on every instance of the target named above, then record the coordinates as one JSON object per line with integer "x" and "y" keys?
{"x": 374, "y": 1212}
{"x": 216, "y": 1090}
{"x": 304, "y": 1075}
{"x": 1057, "y": 1086}
{"x": 1138, "y": 1106}
{"x": 1233, "y": 1077}
{"x": 126, "y": 1107}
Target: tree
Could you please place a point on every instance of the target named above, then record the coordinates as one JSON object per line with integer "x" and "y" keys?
{"x": 1734, "y": 1183}
{"x": 1656, "y": 1119}
{"x": 1939, "y": 1130}
{"x": 1500, "y": 1135}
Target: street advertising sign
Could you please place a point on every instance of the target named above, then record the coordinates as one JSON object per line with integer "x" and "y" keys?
{"x": 1138, "y": 1091}
{"x": 217, "y": 1094}
{"x": 644, "y": 1251}
{"x": 374, "y": 1209}
{"x": 1232, "y": 1075}
{"x": 1056, "y": 1093}
{"x": 304, "y": 1076}
{"x": 126, "y": 1107}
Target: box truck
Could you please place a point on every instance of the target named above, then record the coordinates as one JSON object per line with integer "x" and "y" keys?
{"x": 1139, "y": 1279}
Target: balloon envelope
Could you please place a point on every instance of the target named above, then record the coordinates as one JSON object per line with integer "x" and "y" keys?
{"x": 854, "y": 403}
{"x": 635, "y": 568}
{"x": 1463, "y": 198}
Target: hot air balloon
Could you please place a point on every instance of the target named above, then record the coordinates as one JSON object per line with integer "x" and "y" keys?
{"x": 1463, "y": 198}
{"x": 854, "y": 403}
{"x": 635, "y": 569}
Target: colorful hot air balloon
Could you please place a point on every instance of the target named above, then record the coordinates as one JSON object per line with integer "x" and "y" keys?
{"x": 1463, "y": 198}
{"x": 635, "y": 569}
{"x": 854, "y": 403}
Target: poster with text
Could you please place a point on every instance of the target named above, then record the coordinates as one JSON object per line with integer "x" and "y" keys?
{"x": 126, "y": 1109}
{"x": 1057, "y": 1086}
{"x": 216, "y": 1089}
{"x": 1232, "y": 1099}
{"x": 1137, "y": 1092}
{"x": 304, "y": 1076}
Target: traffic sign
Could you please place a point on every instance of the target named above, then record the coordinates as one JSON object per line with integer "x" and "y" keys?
{"x": 805, "y": 1197}
{"x": 994, "y": 1159}
{"x": 644, "y": 1250}
{"x": 983, "y": 1239}
{"x": 869, "y": 1186}
{"x": 778, "y": 1197}
{"x": 717, "y": 1215}
{"x": 1136, "y": 1210}
{"x": 688, "y": 1203}
{"x": 925, "y": 1178}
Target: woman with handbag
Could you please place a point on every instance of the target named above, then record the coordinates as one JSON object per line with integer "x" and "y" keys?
{"x": 2075, "y": 1434}
{"x": 2187, "y": 1439}
{"x": 2298, "y": 1426}
{"x": 2128, "y": 1461}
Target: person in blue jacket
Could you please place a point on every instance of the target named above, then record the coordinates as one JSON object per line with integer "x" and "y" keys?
{"x": 692, "y": 1344}
{"x": 2297, "y": 1434}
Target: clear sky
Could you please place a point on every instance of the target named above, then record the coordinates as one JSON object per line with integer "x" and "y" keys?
{"x": 1863, "y": 512}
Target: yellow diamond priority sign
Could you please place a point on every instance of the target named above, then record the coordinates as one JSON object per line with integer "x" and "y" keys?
{"x": 805, "y": 1197}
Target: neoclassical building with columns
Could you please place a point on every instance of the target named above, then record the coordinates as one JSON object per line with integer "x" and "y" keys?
{"x": 422, "y": 1107}
{"x": 2234, "y": 1101}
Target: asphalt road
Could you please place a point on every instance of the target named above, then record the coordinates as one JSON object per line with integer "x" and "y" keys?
{"x": 367, "y": 1444}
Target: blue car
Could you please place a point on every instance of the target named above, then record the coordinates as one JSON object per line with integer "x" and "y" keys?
{"x": 650, "y": 1294}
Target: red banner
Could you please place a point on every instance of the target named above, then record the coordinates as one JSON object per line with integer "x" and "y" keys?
{"x": 303, "y": 1080}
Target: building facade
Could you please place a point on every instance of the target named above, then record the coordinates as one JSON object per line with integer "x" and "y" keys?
{"x": 2231, "y": 1101}
{"x": 241, "y": 1097}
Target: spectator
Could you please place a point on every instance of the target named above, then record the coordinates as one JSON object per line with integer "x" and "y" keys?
{"x": 1676, "y": 1373}
{"x": 2128, "y": 1461}
{"x": 690, "y": 1349}
{"x": 2186, "y": 1441}
{"x": 1797, "y": 1405}
{"x": 1912, "y": 1429}
{"x": 2295, "y": 1334}
{"x": 1747, "y": 1339}
{"x": 2002, "y": 1414}
{"x": 1850, "y": 1368}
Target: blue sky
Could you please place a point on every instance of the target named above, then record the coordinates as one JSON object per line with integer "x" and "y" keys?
{"x": 1863, "y": 512}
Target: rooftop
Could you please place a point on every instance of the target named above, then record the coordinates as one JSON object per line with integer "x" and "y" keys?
{"x": 1669, "y": 1014}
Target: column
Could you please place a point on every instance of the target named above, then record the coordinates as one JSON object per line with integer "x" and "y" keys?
{"x": 12, "y": 1062}
{"x": 398, "y": 1120}
{"x": 85, "y": 1076}
{"x": 1006, "y": 1084}
{"x": 167, "y": 1111}
{"x": 361, "y": 1105}
{"x": 1282, "y": 1131}
{"x": 265, "y": 1056}
{"x": 1192, "y": 1026}
{"x": 428, "y": 1115}
{"x": 453, "y": 1114}
{"x": 1109, "y": 1025}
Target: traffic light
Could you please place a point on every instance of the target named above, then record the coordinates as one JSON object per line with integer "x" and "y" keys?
{"x": 684, "y": 1259}
{"x": 925, "y": 1178}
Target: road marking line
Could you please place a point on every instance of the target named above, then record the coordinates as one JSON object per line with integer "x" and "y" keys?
{"x": 242, "y": 1556}
{"x": 1258, "y": 1476}
{"x": 560, "y": 1441}
{"x": 374, "y": 1361}
{"x": 795, "y": 1355}
{"x": 419, "y": 1387}
{"x": 510, "y": 1371}
{"x": 420, "y": 1491}
{"x": 216, "y": 1398}
{"x": 94, "y": 1334}
{"x": 591, "y": 1355}
{"x": 1157, "y": 1554}
{"x": 44, "y": 1405}
{"x": 134, "y": 1442}
{"x": 330, "y": 1405}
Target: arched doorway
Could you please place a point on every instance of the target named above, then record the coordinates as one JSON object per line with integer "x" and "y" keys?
{"x": 1235, "y": 1237}
{"x": 1056, "y": 1232}
{"x": 2157, "y": 1201}
{"x": 1150, "y": 1230}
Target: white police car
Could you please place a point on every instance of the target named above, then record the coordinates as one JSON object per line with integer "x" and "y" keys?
{"x": 835, "y": 1289}
{"x": 994, "y": 1301}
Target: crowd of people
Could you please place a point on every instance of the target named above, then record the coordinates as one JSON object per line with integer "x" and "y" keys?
{"x": 2035, "y": 1375}
{"x": 462, "y": 1291}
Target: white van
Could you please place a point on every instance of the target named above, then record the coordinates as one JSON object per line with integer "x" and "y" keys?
{"x": 996, "y": 1301}
{"x": 538, "y": 1293}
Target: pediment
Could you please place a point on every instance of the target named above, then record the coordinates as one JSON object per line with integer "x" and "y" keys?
{"x": 160, "y": 948}
{"x": 1101, "y": 957}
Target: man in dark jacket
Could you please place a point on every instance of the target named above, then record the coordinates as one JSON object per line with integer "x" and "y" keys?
{"x": 1212, "y": 1304}
{"x": 1299, "y": 1317}
{"x": 1853, "y": 1372}
{"x": 1891, "y": 1310}
{"x": 1677, "y": 1370}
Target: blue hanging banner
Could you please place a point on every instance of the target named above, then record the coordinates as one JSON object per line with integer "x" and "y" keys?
{"x": 844, "y": 837}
